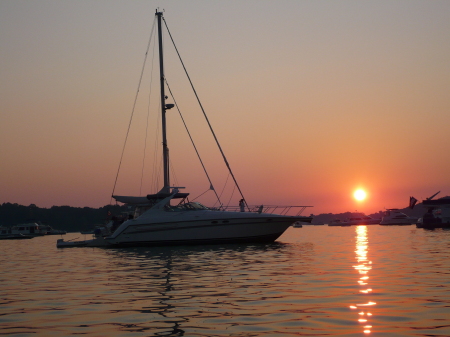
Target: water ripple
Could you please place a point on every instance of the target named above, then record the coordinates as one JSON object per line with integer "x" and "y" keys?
{"x": 316, "y": 281}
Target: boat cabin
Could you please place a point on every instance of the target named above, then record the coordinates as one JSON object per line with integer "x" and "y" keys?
{"x": 27, "y": 229}
{"x": 438, "y": 213}
{"x": 5, "y": 230}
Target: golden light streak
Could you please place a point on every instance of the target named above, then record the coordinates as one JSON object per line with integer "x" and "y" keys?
{"x": 366, "y": 304}
{"x": 363, "y": 267}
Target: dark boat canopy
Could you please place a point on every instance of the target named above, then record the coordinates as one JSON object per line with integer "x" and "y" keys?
{"x": 437, "y": 202}
{"x": 165, "y": 195}
{"x": 149, "y": 199}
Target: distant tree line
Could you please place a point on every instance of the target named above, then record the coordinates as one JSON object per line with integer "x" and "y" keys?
{"x": 71, "y": 219}
{"x": 75, "y": 219}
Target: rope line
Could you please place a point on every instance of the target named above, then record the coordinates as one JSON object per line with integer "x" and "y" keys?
{"x": 206, "y": 117}
{"x": 200, "y": 195}
{"x": 193, "y": 144}
{"x": 148, "y": 116}
{"x": 132, "y": 110}
{"x": 223, "y": 189}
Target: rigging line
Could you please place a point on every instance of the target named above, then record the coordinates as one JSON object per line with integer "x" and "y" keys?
{"x": 200, "y": 195}
{"x": 204, "y": 114}
{"x": 148, "y": 115}
{"x": 193, "y": 144}
{"x": 157, "y": 172}
{"x": 134, "y": 106}
{"x": 224, "y": 186}
{"x": 232, "y": 193}
{"x": 172, "y": 170}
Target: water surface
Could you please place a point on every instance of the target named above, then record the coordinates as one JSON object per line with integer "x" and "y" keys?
{"x": 314, "y": 281}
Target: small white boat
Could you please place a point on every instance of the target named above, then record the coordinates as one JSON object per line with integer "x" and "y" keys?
{"x": 355, "y": 221}
{"x": 362, "y": 220}
{"x": 297, "y": 224}
{"x": 98, "y": 241}
{"x": 339, "y": 222}
{"x": 51, "y": 231}
{"x": 5, "y": 234}
{"x": 29, "y": 229}
{"x": 393, "y": 217}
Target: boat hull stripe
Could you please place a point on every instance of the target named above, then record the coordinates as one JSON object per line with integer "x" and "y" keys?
{"x": 190, "y": 242}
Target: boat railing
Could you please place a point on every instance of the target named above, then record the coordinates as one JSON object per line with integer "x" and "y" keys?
{"x": 268, "y": 209}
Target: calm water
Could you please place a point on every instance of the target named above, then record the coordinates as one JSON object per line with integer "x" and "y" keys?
{"x": 315, "y": 281}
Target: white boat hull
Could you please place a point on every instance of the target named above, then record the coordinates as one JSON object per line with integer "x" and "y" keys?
{"x": 195, "y": 232}
{"x": 394, "y": 217}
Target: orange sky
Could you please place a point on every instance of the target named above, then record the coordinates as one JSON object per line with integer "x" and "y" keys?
{"x": 310, "y": 100}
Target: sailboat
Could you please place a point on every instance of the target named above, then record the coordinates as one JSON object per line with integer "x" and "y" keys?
{"x": 159, "y": 221}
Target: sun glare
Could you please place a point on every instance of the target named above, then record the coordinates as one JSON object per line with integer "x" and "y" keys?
{"x": 360, "y": 195}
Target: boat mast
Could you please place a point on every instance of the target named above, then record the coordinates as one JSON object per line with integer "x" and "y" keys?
{"x": 166, "y": 188}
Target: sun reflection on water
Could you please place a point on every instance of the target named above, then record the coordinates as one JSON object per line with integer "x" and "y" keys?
{"x": 363, "y": 267}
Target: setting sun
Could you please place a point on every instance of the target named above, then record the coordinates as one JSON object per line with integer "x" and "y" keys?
{"x": 360, "y": 194}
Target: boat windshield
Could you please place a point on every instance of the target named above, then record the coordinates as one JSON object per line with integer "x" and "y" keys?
{"x": 190, "y": 206}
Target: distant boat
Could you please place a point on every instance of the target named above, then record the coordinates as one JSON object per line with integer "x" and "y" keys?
{"x": 29, "y": 229}
{"x": 87, "y": 232}
{"x": 437, "y": 215}
{"x": 339, "y": 222}
{"x": 4, "y": 230}
{"x": 15, "y": 237}
{"x": 50, "y": 231}
{"x": 363, "y": 220}
{"x": 105, "y": 228}
{"x": 393, "y": 216}
{"x": 5, "y": 234}
{"x": 355, "y": 221}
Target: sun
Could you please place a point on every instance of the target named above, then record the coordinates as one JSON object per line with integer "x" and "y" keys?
{"x": 360, "y": 194}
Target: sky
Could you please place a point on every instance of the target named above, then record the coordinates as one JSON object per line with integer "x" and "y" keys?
{"x": 309, "y": 100}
